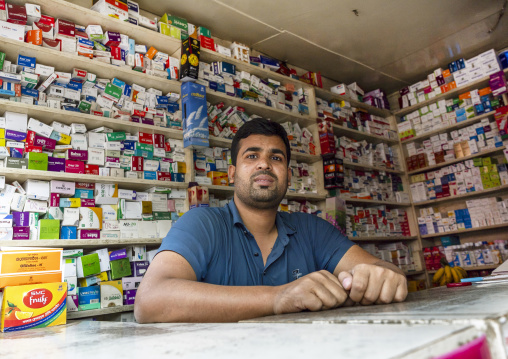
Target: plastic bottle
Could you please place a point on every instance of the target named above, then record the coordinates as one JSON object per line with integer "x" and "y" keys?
{"x": 470, "y": 251}
{"x": 479, "y": 254}
{"x": 487, "y": 254}
{"x": 465, "y": 256}
{"x": 496, "y": 254}
{"x": 458, "y": 260}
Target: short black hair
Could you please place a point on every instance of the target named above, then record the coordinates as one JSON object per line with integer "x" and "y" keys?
{"x": 259, "y": 126}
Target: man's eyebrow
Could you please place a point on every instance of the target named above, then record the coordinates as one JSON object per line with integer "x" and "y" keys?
{"x": 259, "y": 149}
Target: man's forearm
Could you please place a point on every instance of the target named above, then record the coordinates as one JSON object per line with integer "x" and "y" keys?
{"x": 181, "y": 300}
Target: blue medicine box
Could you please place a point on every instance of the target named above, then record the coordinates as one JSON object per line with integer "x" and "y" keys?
{"x": 194, "y": 113}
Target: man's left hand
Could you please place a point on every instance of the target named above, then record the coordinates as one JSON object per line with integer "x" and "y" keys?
{"x": 374, "y": 284}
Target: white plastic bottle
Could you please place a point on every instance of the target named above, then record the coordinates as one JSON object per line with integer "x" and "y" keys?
{"x": 479, "y": 254}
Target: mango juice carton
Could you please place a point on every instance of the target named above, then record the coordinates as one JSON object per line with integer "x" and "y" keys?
{"x": 33, "y": 306}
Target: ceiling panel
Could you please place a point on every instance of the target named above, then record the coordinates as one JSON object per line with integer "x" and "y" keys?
{"x": 466, "y": 43}
{"x": 384, "y": 30}
{"x": 223, "y": 21}
{"x": 314, "y": 58}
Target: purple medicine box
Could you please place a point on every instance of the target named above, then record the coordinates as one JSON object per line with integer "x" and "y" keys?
{"x": 21, "y": 219}
{"x": 89, "y": 234}
{"x": 129, "y": 296}
{"x": 118, "y": 254}
{"x": 15, "y": 135}
{"x": 56, "y": 164}
{"x": 77, "y": 155}
{"x": 21, "y": 233}
{"x": 139, "y": 268}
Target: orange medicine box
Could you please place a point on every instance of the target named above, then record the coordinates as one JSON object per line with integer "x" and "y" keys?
{"x": 218, "y": 178}
{"x": 26, "y": 260}
{"x": 33, "y": 306}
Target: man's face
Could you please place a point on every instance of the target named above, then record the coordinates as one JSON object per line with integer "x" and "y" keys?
{"x": 261, "y": 175}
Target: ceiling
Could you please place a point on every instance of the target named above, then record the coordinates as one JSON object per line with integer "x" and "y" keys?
{"x": 386, "y": 44}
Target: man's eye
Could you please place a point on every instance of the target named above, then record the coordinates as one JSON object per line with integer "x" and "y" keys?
{"x": 251, "y": 156}
{"x": 277, "y": 158}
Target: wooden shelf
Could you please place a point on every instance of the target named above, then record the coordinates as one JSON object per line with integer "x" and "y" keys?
{"x": 366, "y": 167}
{"x": 470, "y": 269}
{"x": 382, "y": 239}
{"x": 66, "y": 62}
{"x": 359, "y": 136}
{"x": 210, "y": 56}
{"x": 300, "y": 157}
{"x": 467, "y": 195}
{"x": 376, "y": 202}
{"x": 84, "y": 16}
{"x": 468, "y": 230}
{"x": 229, "y": 190}
{"x": 20, "y": 175}
{"x": 443, "y": 164}
{"x": 453, "y": 93}
{"x": 83, "y": 243}
{"x": 97, "y": 312}
{"x": 260, "y": 109}
{"x": 455, "y": 126}
{"x": 330, "y": 96}
{"x": 48, "y": 115}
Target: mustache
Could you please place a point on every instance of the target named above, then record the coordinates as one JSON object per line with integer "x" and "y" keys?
{"x": 263, "y": 172}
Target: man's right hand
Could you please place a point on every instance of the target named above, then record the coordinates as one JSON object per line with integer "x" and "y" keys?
{"x": 315, "y": 291}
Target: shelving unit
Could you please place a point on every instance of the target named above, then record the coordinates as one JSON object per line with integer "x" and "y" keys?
{"x": 83, "y": 243}
{"x": 450, "y": 94}
{"x": 455, "y": 126}
{"x": 468, "y": 230}
{"x": 66, "y": 62}
{"x": 462, "y": 196}
{"x": 457, "y": 160}
{"x": 98, "y": 312}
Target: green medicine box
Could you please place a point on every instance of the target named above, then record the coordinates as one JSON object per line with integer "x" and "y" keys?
{"x": 116, "y": 136}
{"x": 113, "y": 91}
{"x": 37, "y": 161}
{"x": 88, "y": 265}
{"x": 120, "y": 268}
{"x": 486, "y": 161}
{"x": 144, "y": 147}
{"x": 49, "y": 229}
{"x": 162, "y": 216}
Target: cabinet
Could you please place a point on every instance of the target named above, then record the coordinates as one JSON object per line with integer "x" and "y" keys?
{"x": 65, "y": 62}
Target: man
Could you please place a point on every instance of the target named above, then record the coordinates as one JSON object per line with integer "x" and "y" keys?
{"x": 248, "y": 260}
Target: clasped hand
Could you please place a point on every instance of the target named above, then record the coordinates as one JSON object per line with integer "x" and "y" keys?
{"x": 365, "y": 284}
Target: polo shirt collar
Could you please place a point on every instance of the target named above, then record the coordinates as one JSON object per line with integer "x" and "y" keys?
{"x": 283, "y": 228}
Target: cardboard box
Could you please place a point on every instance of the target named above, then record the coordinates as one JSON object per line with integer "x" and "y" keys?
{"x": 49, "y": 229}
{"x": 111, "y": 293}
{"x": 88, "y": 265}
{"x": 31, "y": 306}
{"x": 91, "y": 218}
{"x": 189, "y": 67}
{"x": 64, "y": 188}
{"x": 103, "y": 259}
{"x": 120, "y": 268}
{"x": 89, "y": 298}
{"x": 195, "y": 115}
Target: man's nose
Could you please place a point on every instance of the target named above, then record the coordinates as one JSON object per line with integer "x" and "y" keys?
{"x": 264, "y": 163}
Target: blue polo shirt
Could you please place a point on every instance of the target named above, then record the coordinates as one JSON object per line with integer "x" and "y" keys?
{"x": 221, "y": 250}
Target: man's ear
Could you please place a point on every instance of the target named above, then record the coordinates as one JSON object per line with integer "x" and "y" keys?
{"x": 289, "y": 176}
{"x": 231, "y": 173}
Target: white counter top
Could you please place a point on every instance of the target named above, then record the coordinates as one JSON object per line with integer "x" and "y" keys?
{"x": 94, "y": 340}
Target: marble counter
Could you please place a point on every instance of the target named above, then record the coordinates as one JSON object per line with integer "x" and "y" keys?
{"x": 94, "y": 340}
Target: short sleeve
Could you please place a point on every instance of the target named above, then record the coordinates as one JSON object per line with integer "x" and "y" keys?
{"x": 329, "y": 245}
{"x": 192, "y": 237}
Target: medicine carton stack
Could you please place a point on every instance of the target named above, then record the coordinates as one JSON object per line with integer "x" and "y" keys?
{"x": 444, "y": 113}
{"x": 222, "y": 77}
{"x": 478, "y": 213}
{"x": 397, "y": 253}
{"x": 91, "y": 41}
{"x": 104, "y": 278}
{"x": 467, "y": 141}
{"x": 224, "y": 123}
{"x": 80, "y": 91}
{"x": 376, "y": 221}
{"x": 41, "y": 210}
{"x": 376, "y": 98}
{"x": 343, "y": 114}
{"x": 296, "y": 206}
{"x": 459, "y": 73}
{"x": 363, "y": 152}
{"x": 473, "y": 175}
{"x": 373, "y": 185}
{"x": 34, "y": 145}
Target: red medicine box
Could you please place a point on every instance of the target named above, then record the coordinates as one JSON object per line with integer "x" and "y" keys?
{"x": 145, "y": 138}
{"x": 16, "y": 14}
{"x": 137, "y": 163}
{"x": 74, "y": 167}
{"x": 164, "y": 176}
{"x": 65, "y": 28}
{"x": 92, "y": 170}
